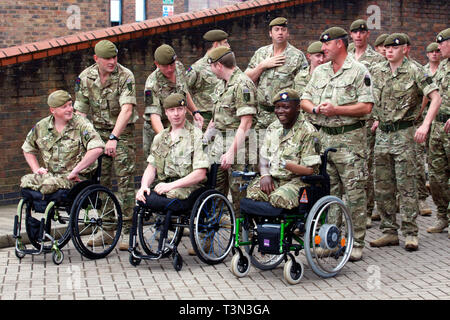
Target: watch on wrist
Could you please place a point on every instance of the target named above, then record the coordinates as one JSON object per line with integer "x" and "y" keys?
{"x": 195, "y": 112}
{"x": 113, "y": 137}
{"x": 314, "y": 110}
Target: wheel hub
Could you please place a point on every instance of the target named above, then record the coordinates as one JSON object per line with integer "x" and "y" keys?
{"x": 329, "y": 235}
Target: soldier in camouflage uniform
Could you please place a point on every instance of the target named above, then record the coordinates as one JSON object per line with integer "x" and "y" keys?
{"x": 399, "y": 86}
{"x": 201, "y": 80}
{"x": 169, "y": 77}
{"x": 106, "y": 93}
{"x": 67, "y": 143}
{"x": 315, "y": 57}
{"x": 291, "y": 149}
{"x": 379, "y": 44}
{"x": 177, "y": 161}
{"x": 340, "y": 95}
{"x": 363, "y": 52}
{"x": 439, "y": 147}
{"x": 273, "y": 68}
{"x": 233, "y": 117}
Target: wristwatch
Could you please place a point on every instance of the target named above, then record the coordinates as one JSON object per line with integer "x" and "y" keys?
{"x": 196, "y": 111}
{"x": 113, "y": 137}
{"x": 314, "y": 110}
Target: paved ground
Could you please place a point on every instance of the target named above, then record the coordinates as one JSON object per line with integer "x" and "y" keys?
{"x": 384, "y": 273}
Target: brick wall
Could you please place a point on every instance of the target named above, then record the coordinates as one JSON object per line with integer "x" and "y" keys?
{"x": 24, "y": 87}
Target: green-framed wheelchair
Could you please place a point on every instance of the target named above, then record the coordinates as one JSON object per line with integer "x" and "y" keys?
{"x": 52, "y": 220}
{"x": 321, "y": 226}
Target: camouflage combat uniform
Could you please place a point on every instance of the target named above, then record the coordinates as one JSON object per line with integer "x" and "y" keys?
{"x": 273, "y": 80}
{"x": 103, "y": 104}
{"x": 439, "y": 147}
{"x": 174, "y": 160}
{"x": 346, "y": 167}
{"x": 157, "y": 88}
{"x": 60, "y": 152}
{"x": 399, "y": 96}
{"x": 299, "y": 145}
{"x": 300, "y": 81}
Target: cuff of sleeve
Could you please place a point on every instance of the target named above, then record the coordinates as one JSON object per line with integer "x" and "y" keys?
{"x": 247, "y": 110}
{"x": 311, "y": 161}
{"x": 81, "y": 107}
{"x": 153, "y": 109}
{"x": 127, "y": 99}
{"x": 201, "y": 165}
{"x": 366, "y": 99}
{"x": 29, "y": 149}
{"x": 151, "y": 160}
{"x": 95, "y": 144}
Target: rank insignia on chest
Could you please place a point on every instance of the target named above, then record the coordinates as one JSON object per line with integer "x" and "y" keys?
{"x": 246, "y": 93}
{"x": 77, "y": 84}
{"x": 148, "y": 97}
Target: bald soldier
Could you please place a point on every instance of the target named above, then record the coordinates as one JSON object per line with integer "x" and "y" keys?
{"x": 168, "y": 78}
{"x": 274, "y": 67}
{"x": 399, "y": 86}
{"x": 379, "y": 44}
{"x": 439, "y": 147}
{"x": 106, "y": 92}
{"x": 201, "y": 81}
{"x": 67, "y": 143}
{"x": 291, "y": 149}
{"x": 339, "y": 94}
{"x": 363, "y": 52}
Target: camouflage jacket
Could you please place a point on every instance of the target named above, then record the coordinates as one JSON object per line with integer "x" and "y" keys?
{"x": 104, "y": 102}
{"x": 399, "y": 95}
{"x": 442, "y": 80}
{"x": 349, "y": 85}
{"x": 369, "y": 58}
{"x": 300, "y": 145}
{"x": 176, "y": 159}
{"x": 300, "y": 81}
{"x": 273, "y": 80}
{"x": 61, "y": 152}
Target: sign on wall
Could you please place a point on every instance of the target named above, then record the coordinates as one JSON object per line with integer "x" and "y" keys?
{"x": 168, "y": 2}
{"x": 167, "y": 11}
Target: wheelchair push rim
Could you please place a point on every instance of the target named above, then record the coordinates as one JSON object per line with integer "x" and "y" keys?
{"x": 212, "y": 227}
{"x": 328, "y": 236}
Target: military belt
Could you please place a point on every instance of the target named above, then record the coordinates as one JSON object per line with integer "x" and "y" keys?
{"x": 395, "y": 126}
{"x": 267, "y": 108}
{"x": 442, "y": 117}
{"x": 343, "y": 129}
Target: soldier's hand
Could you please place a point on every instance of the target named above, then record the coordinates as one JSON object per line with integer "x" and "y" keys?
{"x": 447, "y": 126}
{"x": 273, "y": 62}
{"x": 327, "y": 109}
{"x": 162, "y": 188}
{"x": 110, "y": 148}
{"x": 374, "y": 126}
{"x": 140, "y": 195}
{"x": 199, "y": 120}
{"x": 73, "y": 177}
{"x": 226, "y": 160}
{"x": 266, "y": 184}
{"x": 41, "y": 171}
{"x": 421, "y": 133}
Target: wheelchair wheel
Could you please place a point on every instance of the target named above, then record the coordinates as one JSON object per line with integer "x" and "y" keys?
{"x": 240, "y": 266}
{"x": 212, "y": 227}
{"x": 328, "y": 236}
{"x": 149, "y": 230}
{"x": 57, "y": 226}
{"x": 293, "y": 271}
{"x": 262, "y": 261}
{"x": 96, "y": 222}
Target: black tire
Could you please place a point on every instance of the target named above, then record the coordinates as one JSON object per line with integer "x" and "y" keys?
{"x": 177, "y": 262}
{"x": 134, "y": 261}
{"x": 212, "y": 232}
{"x": 57, "y": 257}
{"x": 89, "y": 210}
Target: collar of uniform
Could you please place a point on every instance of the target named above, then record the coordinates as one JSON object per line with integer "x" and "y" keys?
{"x": 348, "y": 63}
{"x": 403, "y": 68}
{"x": 292, "y": 130}
{"x": 94, "y": 73}
{"x": 178, "y": 73}
{"x": 288, "y": 48}
{"x": 168, "y": 139}
{"x": 233, "y": 76}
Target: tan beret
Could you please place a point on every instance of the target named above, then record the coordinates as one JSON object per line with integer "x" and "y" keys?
{"x": 286, "y": 95}
{"x": 443, "y": 35}
{"x": 332, "y": 33}
{"x": 105, "y": 49}
{"x": 280, "y": 21}
{"x": 58, "y": 98}
{"x": 215, "y": 35}
{"x": 434, "y": 46}
{"x": 217, "y": 53}
{"x": 174, "y": 100}
{"x": 380, "y": 40}
{"x": 315, "y": 47}
{"x": 165, "y": 54}
{"x": 395, "y": 39}
{"x": 359, "y": 24}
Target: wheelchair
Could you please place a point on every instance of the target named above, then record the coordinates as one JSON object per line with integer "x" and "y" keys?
{"x": 77, "y": 214}
{"x": 321, "y": 226}
{"x": 159, "y": 224}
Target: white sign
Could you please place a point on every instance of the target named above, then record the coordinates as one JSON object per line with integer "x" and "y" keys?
{"x": 167, "y": 11}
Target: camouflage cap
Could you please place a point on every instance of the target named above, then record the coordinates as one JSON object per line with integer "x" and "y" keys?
{"x": 165, "y": 54}
{"x": 434, "y": 46}
{"x": 315, "y": 47}
{"x": 333, "y": 33}
{"x": 174, "y": 100}
{"x": 280, "y": 21}
{"x": 359, "y": 24}
{"x": 217, "y": 53}
{"x": 58, "y": 98}
{"x": 380, "y": 40}
{"x": 443, "y": 35}
{"x": 395, "y": 39}
{"x": 286, "y": 95}
{"x": 215, "y": 35}
{"x": 105, "y": 49}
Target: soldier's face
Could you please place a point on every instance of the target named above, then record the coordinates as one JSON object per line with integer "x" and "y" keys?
{"x": 65, "y": 112}
{"x": 381, "y": 49}
{"x": 216, "y": 68}
{"x": 316, "y": 59}
{"x": 167, "y": 69}
{"x": 223, "y": 43}
{"x": 330, "y": 50}
{"x": 395, "y": 53}
{"x": 444, "y": 47}
{"x": 434, "y": 56}
{"x": 176, "y": 115}
{"x": 279, "y": 34}
{"x": 106, "y": 65}
{"x": 360, "y": 38}
{"x": 287, "y": 112}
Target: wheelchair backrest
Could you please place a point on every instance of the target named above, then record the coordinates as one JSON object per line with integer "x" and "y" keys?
{"x": 212, "y": 176}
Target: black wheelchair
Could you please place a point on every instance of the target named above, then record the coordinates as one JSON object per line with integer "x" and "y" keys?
{"x": 80, "y": 213}
{"x": 159, "y": 225}
{"x": 321, "y": 226}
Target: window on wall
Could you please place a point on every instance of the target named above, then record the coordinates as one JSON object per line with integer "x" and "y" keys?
{"x": 116, "y": 12}
{"x": 140, "y": 10}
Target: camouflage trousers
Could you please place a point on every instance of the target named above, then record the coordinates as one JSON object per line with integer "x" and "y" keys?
{"x": 347, "y": 169}
{"x": 285, "y": 195}
{"x": 439, "y": 169}
{"x": 121, "y": 167}
{"x": 370, "y": 184}
{"x": 395, "y": 174}
{"x": 46, "y": 183}
{"x": 264, "y": 118}
{"x": 147, "y": 138}
{"x": 182, "y": 193}
{"x": 421, "y": 178}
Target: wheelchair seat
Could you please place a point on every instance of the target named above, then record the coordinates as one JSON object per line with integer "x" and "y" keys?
{"x": 259, "y": 208}
{"x": 40, "y": 201}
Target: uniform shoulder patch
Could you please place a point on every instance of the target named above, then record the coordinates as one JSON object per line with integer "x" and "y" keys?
{"x": 77, "y": 84}
{"x": 130, "y": 85}
{"x": 148, "y": 97}
{"x": 367, "y": 80}
{"x": 246, "y": 93}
